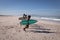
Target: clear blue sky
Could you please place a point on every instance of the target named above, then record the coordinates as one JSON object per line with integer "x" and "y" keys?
{"x": 35, "y": 7}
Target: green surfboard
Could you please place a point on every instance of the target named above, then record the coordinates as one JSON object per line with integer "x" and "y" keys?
{"x": 25, "y": 22}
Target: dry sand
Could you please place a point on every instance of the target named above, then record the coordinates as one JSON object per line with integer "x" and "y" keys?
{"x": 10, "y": 29}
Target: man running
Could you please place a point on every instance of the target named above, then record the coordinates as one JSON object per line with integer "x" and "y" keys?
{"x": 27, "y": 26}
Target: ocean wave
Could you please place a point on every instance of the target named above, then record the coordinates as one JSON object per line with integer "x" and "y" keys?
{"x": 55, "y": 19}
{"x": 46, "y": 18}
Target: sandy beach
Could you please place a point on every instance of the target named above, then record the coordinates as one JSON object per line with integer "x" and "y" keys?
{"x": 10, "y": 29}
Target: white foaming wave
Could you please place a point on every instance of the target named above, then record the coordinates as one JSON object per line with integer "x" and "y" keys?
{"x": 45, "y": 18}
{"x": 50, "y": 18}
{"x": 36, "y": 18}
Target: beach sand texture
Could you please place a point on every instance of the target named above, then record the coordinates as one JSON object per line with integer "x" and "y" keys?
{"x": 10, "y": 29}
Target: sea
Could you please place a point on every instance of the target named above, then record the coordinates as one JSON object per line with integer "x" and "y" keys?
{"x": 47, "y": 18}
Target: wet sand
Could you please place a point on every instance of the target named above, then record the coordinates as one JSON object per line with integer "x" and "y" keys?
{"x": 10, "y": 29}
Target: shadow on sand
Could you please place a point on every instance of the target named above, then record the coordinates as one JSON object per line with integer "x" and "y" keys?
{"x": 36, "y": 31}
{"x": 39, "y": 29}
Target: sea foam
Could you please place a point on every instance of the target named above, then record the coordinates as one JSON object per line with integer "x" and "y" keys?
{"x": 46, "y": 18}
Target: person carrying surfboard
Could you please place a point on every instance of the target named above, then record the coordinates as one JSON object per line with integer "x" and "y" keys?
{"x": 27, "y": 22}
{"x": 27, "y": 26}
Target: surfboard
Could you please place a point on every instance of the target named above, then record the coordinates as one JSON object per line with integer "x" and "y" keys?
{"x": 20, "y": 18}
{"x": 25, "y": 22}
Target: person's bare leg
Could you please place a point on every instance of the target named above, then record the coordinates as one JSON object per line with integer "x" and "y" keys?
{"x": 27, "y": 26}
{"x": 24, "y": 29}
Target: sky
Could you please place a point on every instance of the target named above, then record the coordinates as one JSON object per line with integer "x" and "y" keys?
{"x": 31, "y": 7}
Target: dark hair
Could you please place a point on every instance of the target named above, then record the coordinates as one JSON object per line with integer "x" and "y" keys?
{"x": 24, "y": 14}
{"x": 29, "y": 16}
